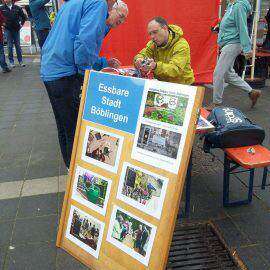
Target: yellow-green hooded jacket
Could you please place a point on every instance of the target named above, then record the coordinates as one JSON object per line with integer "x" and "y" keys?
{"x": 173, "y": 59}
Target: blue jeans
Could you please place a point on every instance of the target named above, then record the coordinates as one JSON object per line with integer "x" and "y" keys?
{"x": 3, "y": 63}
{"x": 64, "y": 95}
{"x": 13, "y": 37}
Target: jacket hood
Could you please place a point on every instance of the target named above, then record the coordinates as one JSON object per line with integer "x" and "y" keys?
{"x": 176, "y": 34}
{"x": 245, "y": 4}
{"x": 176, "y": 29}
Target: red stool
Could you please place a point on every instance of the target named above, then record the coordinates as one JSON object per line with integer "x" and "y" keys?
{"x": 249, "y": 158}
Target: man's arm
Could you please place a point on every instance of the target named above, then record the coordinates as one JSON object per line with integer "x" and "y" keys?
{"x": 102, "y": 63}
{"x": 146, "y": 52}
{"x": 241, "y": 24}
{"x": 23, "y": 17}
{"x": 177, "y": 63}
{"x": 91, "y": 35}
{"x": 2, "y": 19}
{"x": 40, "y": 3}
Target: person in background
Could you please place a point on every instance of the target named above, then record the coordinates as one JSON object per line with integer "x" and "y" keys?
{"x": 52, "y": 17}
{"x": 15, "y": 18}
{"x": 72, "y": 46}
{"x": 41, "y": 19}
{"x": 168, "y": 53}
{"x": 233, "y": 38}
{"x": 266, "y": 44}
{"x": 3, "y": 63}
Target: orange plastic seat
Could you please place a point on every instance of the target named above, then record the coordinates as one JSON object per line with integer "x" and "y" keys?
{"x": 248, "y": 159}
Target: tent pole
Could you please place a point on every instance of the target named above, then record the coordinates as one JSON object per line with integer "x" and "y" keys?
{"x": 254, "y": 36}
{"x": 220, "y": 10}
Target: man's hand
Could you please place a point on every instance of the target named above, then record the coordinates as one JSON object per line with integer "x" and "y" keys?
{"x": 152, "y": 64}
{"x": 138, "y": 63}
{"x": 114, "y": 63}
{"x": 145, "y": 65}
{"x": 94, "y": 145}
{"x": 248, "y": 55}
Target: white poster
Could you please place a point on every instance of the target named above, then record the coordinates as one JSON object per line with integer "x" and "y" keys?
{"x": 142, "y": 189}
{"x": 131, "y": 234}
{"x": 102, "y": 148}
{"x": 91, "y": 190}
{"x": 25, "y": 34}
{"x": 163, "y": 124}
{"x": 85, "y": 231}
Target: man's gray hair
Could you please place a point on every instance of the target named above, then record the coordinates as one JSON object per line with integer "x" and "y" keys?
{"x": 120, "y": 4}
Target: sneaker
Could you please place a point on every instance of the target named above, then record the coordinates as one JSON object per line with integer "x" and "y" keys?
{"x": 254, "y": 95}
{"x": 6, "y": 70}
{"x": 22, "y": 64}
{"x": 12, "y": 65}
{"x": 212, "y": 106}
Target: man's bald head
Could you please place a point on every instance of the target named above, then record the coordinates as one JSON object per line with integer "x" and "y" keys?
{"x": 158, "y": 31}
{"x": 118, "y": 14}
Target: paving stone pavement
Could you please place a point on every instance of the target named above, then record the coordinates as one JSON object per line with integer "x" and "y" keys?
{"x": 33, "y": 176}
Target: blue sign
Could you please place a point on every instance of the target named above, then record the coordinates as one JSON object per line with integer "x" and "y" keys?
{"x": 113, "y": 101}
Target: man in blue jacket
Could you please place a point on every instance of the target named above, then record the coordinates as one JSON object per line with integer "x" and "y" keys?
{"x": 71, "y": 47}
{"x": 41, "y": 19}
{"x": 233, "y": 39}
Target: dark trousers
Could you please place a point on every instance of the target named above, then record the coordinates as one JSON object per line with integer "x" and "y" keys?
{"x": 3, "y": 63}
{"x": 42, "y": 35}
{"x": 13, "y": 38}
{"x": 64, "y": 96}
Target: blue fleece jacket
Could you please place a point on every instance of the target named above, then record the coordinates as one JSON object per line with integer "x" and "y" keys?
{"x": 233, "y": 26}
{"x": 74, "y": 42}
{"x": 40, "y": 16}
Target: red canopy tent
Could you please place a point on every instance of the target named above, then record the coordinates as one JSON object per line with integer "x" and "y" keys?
{"x": 194, "y": 16}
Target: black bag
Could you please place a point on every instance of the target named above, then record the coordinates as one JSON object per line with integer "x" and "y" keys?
{"x": 232, "y": 129}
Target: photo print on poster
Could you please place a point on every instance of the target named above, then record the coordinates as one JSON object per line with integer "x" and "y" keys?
{"x": 163, "y": 124}
{"x": 160, "y": 141}
{"x": 142, "y": 189}
{"x": 91, "y": 190}
{"x": 166, "y": 108}
{"x": 85, "y": 231}
{"x": 102, "y": 148}
{"x": 131, "y": 234}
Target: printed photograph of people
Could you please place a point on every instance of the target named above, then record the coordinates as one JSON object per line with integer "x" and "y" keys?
{"x": 102, "y": 148}
{"x": 166, "y": 108}
{"x": 85, "y": 231}
{"x": 131, "y": 234}
{"x": 91, "y": 190}
{"x": 158, "y": 140}
{"x": 142, "y": 189}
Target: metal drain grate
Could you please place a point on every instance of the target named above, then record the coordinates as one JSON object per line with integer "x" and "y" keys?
{"x": 199, "y": 247}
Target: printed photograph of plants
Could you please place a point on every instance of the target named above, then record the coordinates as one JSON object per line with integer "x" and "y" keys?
{"x": 165, "y": 108}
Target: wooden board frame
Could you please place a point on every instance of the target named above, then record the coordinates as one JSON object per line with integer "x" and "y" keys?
{"x": 110, "y": 257}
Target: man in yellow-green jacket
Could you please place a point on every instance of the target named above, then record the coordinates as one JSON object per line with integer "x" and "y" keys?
{"x": 167, "y": 54}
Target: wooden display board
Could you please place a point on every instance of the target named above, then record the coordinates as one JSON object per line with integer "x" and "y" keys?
{"x": 130, "y": 155}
